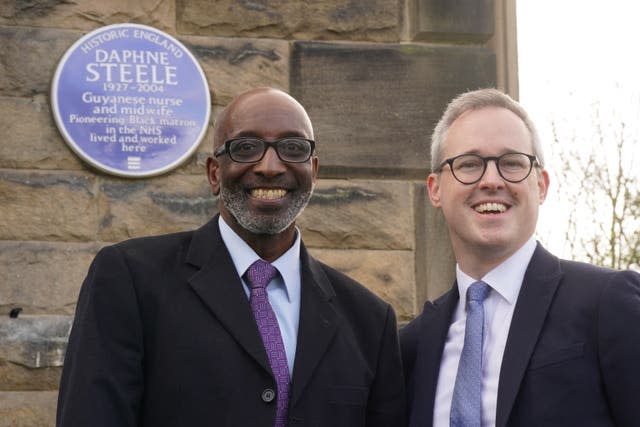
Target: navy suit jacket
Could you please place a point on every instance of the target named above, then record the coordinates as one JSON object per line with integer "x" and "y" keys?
{"x": 572, "y": 356}
{"x": 164, "y": 337}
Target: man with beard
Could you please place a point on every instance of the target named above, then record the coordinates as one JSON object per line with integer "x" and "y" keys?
{"x": 234, "y": 324}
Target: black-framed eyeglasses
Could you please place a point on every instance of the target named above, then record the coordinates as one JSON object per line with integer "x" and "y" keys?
{"x": 470, "y": 168}
{"x": 247, "y": 149}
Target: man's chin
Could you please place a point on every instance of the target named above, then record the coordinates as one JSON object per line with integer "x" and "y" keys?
{"x": 264, "y": 227}
{"x": 264, "y": 218}
{"x": 267, "y": 223}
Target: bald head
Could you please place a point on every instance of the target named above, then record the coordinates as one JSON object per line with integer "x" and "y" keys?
{"x": 260, "y": 108}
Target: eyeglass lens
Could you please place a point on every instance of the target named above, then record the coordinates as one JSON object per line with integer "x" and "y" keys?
{"x": 513, "y": 167}
{"x": 295, "y": 150}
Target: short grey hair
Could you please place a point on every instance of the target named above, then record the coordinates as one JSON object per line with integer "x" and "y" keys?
{"x": 476, "y": 100}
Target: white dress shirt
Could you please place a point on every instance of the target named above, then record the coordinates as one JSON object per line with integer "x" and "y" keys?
{"x": 283, "y": 291}
{"x": 505, "y": 281}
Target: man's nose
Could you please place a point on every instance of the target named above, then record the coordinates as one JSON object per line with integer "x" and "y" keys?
{"x": 270, "y": 164}
{"x": 491, "y": 177}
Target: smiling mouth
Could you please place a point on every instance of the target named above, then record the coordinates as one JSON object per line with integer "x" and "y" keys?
{"x": 268, "y": 193}
{"x": 490, "y": 208}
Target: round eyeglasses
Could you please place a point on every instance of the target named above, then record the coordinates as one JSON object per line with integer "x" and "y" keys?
{"x": 470, "y": 168}
{"x": 251, "y": 149}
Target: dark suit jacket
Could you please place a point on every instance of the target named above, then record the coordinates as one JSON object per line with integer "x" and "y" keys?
{"x": 164, "y": 336}
{"x": 572, "y": 356}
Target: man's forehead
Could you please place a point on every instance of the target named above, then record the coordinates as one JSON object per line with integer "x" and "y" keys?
{"x": 488, "y": 121}
{"x": 488, "y": 115}
{"x": 262, "y": 110}
{"x": 272, "y": 111}
{"x": 257, "y": 101}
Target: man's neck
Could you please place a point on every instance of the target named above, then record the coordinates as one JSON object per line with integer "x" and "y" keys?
{"x": 269, "y": 247}
{"x": 477, "y": 262}
{"x": 477, "y": 270}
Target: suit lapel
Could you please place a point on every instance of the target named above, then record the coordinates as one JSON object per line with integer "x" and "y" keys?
{"x": 318, "y": 323}
{"x": 538, "y": 289}
{"x": 434, "y": 327}
{"x": 218, "y": 285}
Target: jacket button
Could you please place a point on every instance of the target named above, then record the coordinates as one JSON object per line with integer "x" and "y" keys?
{"x": 268, "y": 395}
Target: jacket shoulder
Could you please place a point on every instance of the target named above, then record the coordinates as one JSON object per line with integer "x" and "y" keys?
{"x": 153, "y": 252}
{"x": 155, "y": 242}
{"x": 591, "y": 276}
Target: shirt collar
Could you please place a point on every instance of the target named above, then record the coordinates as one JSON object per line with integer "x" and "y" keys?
{"x": 506, "y": 278}
{"x": 242, "y": 255}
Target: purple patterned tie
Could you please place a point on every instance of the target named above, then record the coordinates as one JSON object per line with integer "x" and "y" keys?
{"x": 259, "y": 274}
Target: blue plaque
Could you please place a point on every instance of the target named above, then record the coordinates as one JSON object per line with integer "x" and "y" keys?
{"x": 130, "y": 100}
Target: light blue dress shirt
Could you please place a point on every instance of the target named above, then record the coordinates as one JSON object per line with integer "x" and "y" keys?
{"x": 505, "y": 281}
{"x": 283, "y": 291}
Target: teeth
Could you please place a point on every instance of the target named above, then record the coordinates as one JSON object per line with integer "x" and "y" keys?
{"x": 268, "y": 193}
{"x": 491, "y": 207}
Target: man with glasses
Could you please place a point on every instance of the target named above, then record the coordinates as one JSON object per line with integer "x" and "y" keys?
{"x": 522, "y": 338}
{"x": 234, "y": 324}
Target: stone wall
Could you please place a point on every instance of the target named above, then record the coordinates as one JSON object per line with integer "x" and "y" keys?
{"x": 374, "y": 75}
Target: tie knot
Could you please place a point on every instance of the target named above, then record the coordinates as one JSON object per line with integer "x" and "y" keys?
{"x": 260, "y": 273}
{"x": 477, "y": 292}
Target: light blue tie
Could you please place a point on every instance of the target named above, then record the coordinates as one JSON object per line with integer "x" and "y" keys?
{"x": 466, "y": 405}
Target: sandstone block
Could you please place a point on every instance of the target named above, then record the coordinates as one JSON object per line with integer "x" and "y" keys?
{"x": 30, "y": 57}
{"x": 34, "y": 341}
{"x": 88, "y": 15}
{"x": 16, "y": 377}
{"x": 359, "y": 214}
{"x": 35, "y": 142}
{"x": 375, "y": 20}
{"x": 47, "y": 206}
{"x": 153, "y": 206}
{"x": 435, "y": 261}
{"x": 28, "y": 408}
{"x": 234, "y": 65}
{"x": 390, "y": 274}
{"x": 460, "y": 21}
{"x": 42, "y": 277}
{"x": 374, "y": 106}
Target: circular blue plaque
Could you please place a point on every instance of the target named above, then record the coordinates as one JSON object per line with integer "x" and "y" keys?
{"x": 130, "y": 100}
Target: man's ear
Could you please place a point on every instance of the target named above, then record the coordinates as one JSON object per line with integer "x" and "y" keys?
{"x": 543, "y": 184}
{"x": 433, "y": 185}
{"x": 213, "y": 175}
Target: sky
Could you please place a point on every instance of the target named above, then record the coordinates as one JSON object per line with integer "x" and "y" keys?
{"x": 574, "y": 58}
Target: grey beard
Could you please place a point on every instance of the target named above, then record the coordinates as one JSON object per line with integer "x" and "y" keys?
{"x": 236, "y": 203}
